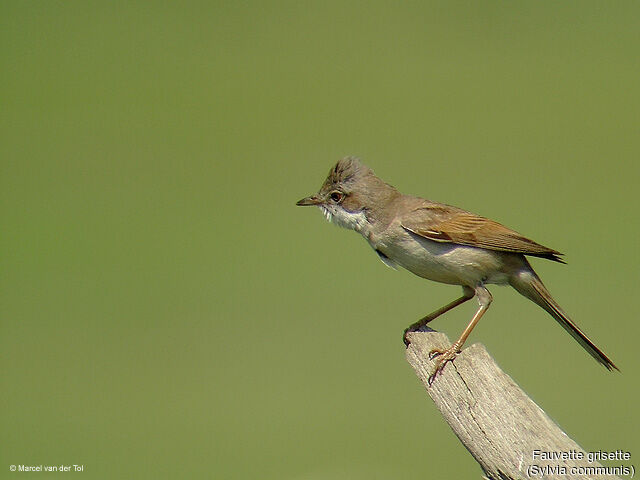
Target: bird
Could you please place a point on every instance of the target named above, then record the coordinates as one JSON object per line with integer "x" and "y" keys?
{"x": 442, "y": 243}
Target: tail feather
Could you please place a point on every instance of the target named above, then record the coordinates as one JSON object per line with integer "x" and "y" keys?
{"x": 529, "y": 284}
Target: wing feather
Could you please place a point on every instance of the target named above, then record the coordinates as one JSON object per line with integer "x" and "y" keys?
{"x": 443, "y": 223}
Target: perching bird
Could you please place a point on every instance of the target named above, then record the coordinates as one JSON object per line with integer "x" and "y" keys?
{"x": 441, "y": 243}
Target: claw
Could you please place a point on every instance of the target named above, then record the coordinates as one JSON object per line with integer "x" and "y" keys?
{"x": 435, "y": 352}
{"x": 445, "y": 356}
{"x": 405, "y": 339}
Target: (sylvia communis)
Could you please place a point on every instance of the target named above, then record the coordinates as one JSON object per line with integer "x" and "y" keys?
{"x": 441, "y": 243}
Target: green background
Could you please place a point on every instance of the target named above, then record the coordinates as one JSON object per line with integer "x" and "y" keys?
{"x": 166, "y": 310}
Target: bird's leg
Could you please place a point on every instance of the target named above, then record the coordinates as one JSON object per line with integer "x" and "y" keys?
{"x": 444, "y": 356}
{"x": 467, "y": 294}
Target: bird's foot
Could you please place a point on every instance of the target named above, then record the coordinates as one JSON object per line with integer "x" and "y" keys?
{"x": 405, "y": 338}
{"x": 443, "y": 357}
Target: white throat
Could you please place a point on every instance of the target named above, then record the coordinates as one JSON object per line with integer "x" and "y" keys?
{"x": 354, "y": 221}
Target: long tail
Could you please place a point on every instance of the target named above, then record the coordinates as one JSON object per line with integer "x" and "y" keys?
{"x": 529, "y": 284}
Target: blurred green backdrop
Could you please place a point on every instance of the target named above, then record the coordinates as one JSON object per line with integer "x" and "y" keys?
{"x": 167, "y": 312}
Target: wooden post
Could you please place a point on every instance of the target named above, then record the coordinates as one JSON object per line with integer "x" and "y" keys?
{"x": 506, "y": 432}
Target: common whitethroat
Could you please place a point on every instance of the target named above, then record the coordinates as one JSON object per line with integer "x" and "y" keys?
{"x": 441, "y": 243}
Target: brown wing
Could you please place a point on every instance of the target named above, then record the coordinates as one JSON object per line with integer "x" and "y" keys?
{"x": 443, "y": 223}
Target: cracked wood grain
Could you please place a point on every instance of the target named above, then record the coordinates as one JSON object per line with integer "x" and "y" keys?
{"x": 494, "y": 419}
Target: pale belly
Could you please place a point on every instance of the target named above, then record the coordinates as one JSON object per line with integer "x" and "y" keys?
{"x": 446, "y": 262}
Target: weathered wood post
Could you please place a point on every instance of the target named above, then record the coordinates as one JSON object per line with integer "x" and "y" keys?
{"x": 506, "y": 432}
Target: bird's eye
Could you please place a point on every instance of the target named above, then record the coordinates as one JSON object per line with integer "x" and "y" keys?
{"x": 336, "y": 196}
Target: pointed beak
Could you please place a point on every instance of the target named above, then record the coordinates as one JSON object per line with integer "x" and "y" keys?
{"x": 309, "y": 201}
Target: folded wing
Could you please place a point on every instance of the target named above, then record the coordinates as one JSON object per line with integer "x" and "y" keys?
{"x": 444, "y": 223}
